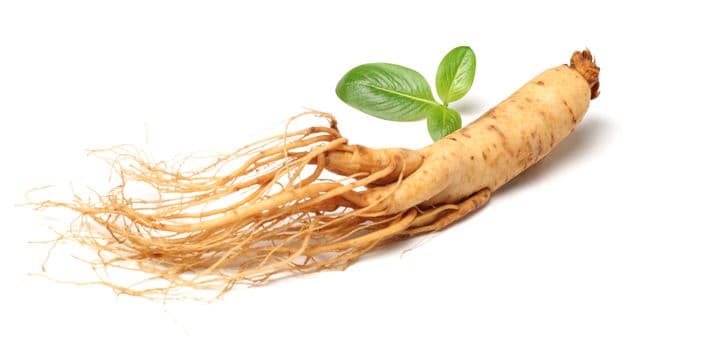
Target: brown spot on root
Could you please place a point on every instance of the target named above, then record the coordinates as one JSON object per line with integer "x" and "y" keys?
{"x": 494, "y": 128}
{"x": 540, "y": 83}
{"x": 503, "y": 139}
{"x": 472, "y": 158}
{"x": 453, "y": 139}
{"x": 530, "y": 150}
{"x": 584, "y": 63}
{"x": 484, "y": 155}
{"x": 540, "y": 150}
{"x": 567, "y": 107}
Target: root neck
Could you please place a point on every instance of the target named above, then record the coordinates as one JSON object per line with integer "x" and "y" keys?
{"x": 584, "y": 63}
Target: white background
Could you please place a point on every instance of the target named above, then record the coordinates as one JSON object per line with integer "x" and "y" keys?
{"x": 612, "y": 238}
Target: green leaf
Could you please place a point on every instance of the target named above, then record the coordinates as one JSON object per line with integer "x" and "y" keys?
{"x": 387, "y": 91}
{"x": 455, "y": 74}
{"x": 443, "y": 123}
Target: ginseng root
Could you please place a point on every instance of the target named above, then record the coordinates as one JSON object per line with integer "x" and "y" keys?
{"x": 308, "y": 201}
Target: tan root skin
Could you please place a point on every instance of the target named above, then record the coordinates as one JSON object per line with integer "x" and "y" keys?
{"x": 191, "y": 238}
{"x": 499, "y": 145}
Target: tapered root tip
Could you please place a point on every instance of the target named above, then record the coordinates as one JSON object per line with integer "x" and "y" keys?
{"x": 584, "y": 63}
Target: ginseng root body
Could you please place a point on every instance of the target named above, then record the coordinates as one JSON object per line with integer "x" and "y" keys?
{"x": 307, "y": 200}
